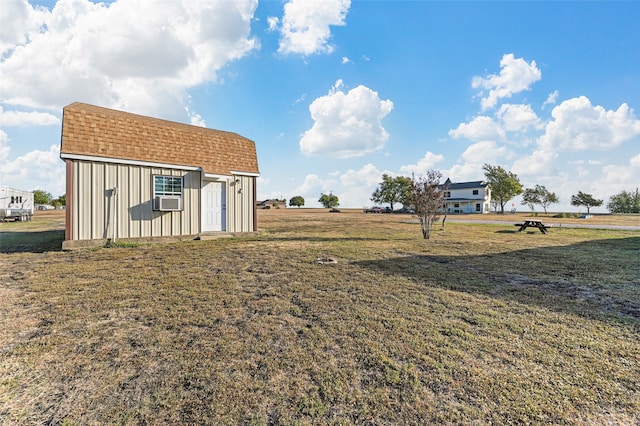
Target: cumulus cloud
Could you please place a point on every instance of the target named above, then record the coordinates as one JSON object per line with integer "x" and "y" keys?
{"x": 306, "y": 25}
{"x": 480, "y": 128}
{"x": 21, "y": 172}
{"x": 346, "y": 124}
{"x": 516, "y": 118}
{"x": 139, "y": 56}
{"x": 635, "y": 161}
{"x": 18, "y": 19}
{"x": 469, "y": 167}
{"x": 485, "y": 152}
{"x": 577, "y": 125}
{"x": 516, "y": 75}
{"x": 539, "y": 162}
{"x": 312, "y": 184}
{"x": 21, "y": 118}
{"x": 423, "y": 165}
{"x": 367, "y": 176}
{"x": 613, "y": 179}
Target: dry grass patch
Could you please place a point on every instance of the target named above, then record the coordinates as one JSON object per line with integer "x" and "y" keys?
{"x": 479, "y": 325}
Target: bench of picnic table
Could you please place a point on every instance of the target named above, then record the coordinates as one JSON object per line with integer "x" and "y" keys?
{"x": 533, "y": 224}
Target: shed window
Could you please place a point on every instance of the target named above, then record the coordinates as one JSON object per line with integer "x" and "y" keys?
{"x": 167, "y": 193}
{"x": 167, "y": 186}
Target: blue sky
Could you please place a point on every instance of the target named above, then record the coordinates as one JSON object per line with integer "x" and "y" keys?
{"x": 336, "y": 92}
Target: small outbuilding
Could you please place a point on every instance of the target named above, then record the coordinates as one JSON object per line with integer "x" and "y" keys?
{"x": 134, "y": 177}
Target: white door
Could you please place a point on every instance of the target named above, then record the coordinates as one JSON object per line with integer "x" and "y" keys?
{"x": 213, "y": 206}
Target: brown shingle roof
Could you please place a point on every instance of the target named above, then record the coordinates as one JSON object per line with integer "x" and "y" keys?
{"x": 101, "y": 132}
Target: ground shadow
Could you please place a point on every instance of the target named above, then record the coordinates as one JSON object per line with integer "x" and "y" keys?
{"x": 31, "y": 242}
{"x": 595, "y": 279}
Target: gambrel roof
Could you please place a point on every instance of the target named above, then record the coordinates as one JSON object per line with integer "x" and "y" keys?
{"x": 92, "y": 131}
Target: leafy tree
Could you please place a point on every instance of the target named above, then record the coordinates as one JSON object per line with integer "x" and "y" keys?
{"x": 504, "y": 185}
{"x": 624, "y": 202}
{"x": 428, "y": 198}
{"x": 296, "y": 201}
{"x": 42, "y": 197}
{"x": 329, "y": 200}
{"x": 539, "y": 195}
{"x": 587, "y": 200}
{"x": 60, "y": 201}
{"x": 392, "y": 190}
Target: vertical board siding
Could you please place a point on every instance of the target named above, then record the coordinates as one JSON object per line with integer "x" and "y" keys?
{"x": 94, "y": 209}
{"x": 240, "y": 201}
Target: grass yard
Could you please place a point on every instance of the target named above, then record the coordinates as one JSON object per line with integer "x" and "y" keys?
{"x": 479, "y": 325}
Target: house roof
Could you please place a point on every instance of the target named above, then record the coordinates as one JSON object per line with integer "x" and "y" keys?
{"x": 94, "y": 131}
{"x": 465, "y": 185}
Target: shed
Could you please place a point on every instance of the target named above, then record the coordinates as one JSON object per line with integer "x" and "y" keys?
{"x": 134, "y": 177}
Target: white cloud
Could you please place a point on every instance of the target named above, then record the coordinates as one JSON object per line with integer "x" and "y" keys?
{"x": 426, "y": 163}
{"x": 313, "y": 185}
{"x": 346, "y": 124}
{"x": 614, "y": 179}
{"x": 635, "y": 161}
{"x": 21, "y": 118}
{"x": 306, "y": 25}
{"x": 551, "y": 99}
{"x": 18, "y": 19}
{"x": 485, "y": 152}
{"x": 515, "y": 76}
{"x": 345, "y": 60}
{"x": 463, "y": 172}
{"x": 135, "y": 55}
{"x": 577, "y": 125}
{"x": 539, "y": 162}
{"x": 470, "y": 166}
{"x": 358, "y": 185}
{"x": 273, "y": 22}
{"x": 480, "y": 128}
{"x": 366, "y": 177}
{"x": 4, "y": 149}
{"x": 30, "y": 170}
{"x": 517, "y": 117}
{"x": 616, "y": 174}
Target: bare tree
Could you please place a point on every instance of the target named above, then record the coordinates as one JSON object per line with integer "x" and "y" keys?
{"x": 428, "y": 198}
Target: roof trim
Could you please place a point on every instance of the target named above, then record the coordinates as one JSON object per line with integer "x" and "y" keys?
{"x": 124, "y": 161}
{"x": 209, "y": 176}
{"x": 235, "y": 172}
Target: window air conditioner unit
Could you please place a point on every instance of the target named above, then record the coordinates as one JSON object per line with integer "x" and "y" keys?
{"x": 166, "y": 203}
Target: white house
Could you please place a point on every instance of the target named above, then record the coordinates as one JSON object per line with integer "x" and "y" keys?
{"x": 467, "y": 197}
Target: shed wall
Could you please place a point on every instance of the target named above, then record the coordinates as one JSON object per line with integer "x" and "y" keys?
{"x": 96, "y": 210}
{"x": 241, "y": 204}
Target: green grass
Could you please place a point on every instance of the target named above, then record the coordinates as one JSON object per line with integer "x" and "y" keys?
{"x": 479, "y": 325}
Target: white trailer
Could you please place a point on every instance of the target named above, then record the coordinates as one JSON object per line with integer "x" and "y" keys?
{"x": 15, "y": 204}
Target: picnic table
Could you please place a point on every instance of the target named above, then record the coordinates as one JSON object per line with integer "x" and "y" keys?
{"x": 533, "y": 223}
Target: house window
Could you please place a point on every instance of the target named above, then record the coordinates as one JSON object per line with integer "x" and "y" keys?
{"x": 167, "y": 193}
{"x": 475, "y": 192}
{"x": 447, "y": 194}
{"x": 456, "y": 205}
{"x": 478, "y": 207}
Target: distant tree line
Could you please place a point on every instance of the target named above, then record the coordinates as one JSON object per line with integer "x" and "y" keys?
{"x": 43, "y": 197}
{"x": 625, "y": 202}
